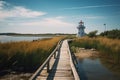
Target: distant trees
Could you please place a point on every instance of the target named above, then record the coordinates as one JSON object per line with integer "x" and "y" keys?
{"x": 92, "y": 33}
{"x": 115, "y": 33}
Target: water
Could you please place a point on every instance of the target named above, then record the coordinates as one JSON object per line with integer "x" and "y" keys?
{"x": 93, "y": 69}
{"x": 15, "y": 75}
{"x": 4, "y": 38}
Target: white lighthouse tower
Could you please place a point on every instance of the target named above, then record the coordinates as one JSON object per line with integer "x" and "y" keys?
{"x": 81, "y": 28}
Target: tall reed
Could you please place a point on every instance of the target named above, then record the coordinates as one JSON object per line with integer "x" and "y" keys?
{"x": 26, "y": 55}
{"x": 109, "y": 48}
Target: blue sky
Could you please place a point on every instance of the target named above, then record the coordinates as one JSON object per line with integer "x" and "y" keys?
{"x": 58, "y": 16}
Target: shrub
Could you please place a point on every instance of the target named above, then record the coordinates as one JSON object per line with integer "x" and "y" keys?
{"x": 92, "y": 34}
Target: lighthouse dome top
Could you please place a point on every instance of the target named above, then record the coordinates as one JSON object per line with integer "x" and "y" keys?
{"x": 81, "y": 22}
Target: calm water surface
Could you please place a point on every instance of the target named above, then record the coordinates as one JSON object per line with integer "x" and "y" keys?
{"x": 92, "y": 69}
{"x": 4, "y": 38}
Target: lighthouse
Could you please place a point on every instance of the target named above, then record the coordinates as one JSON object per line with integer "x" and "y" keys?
{"x": 81, "y": 28}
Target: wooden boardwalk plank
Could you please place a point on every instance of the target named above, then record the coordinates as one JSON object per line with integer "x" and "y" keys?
{"x": 55, "y": 78}
{"x": 60, "y": 68}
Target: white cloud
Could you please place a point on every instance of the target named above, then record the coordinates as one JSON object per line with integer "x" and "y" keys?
{"x": 86, "y": 7}
{"x": 23, "y": 12}
{"x": 17, "y": 11}
{"x": 51, "y": 22}
{"x": 94, "y": 17}
{"x": 2, "y": 3}
{"x": 46, "y": 25}
{"x": 78, "y": 17}
{"x": 60, "y": 17}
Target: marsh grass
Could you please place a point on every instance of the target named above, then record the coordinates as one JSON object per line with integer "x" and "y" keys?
{"x": 108, "y": 48}
{"x": 26, "y": 55}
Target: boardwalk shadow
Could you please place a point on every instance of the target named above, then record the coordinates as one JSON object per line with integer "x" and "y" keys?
{"x": 54, "y": 67}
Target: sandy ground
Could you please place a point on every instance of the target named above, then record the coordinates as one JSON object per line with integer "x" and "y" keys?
{"x": 86, "y": 53}
{"x": 16, "y": 76}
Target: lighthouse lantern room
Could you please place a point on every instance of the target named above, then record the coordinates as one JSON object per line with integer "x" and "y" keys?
{"x": 81, "y": 28}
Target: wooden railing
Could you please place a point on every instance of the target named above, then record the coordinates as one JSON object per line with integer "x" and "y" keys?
{"x": 73, "y": 63}
{"x": 47, "y": 62}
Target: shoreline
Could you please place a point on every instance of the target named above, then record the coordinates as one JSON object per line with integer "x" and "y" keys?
{"x": 16, "y": 76}
{"x": 82, "y": 53}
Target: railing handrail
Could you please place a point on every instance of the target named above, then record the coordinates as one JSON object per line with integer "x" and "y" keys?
{"x": 75, "y": 74}
{"x": 45, "y": 62}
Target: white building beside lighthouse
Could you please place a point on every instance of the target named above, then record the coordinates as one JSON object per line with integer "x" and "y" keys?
{"x": 81, "y": 28}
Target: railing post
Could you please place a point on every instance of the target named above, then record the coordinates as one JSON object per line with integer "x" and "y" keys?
{"x": 48, "y": 66}
{"x": 55, "y": 55}
{"x": 46, "y": 63}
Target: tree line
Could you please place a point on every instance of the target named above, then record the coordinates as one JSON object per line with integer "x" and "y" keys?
{"x": 113, "y": 34}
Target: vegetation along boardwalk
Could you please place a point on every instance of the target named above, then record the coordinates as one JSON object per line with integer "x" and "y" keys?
{"x": 58, "y": 66}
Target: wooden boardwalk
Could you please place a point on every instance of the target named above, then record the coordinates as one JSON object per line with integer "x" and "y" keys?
{"x": 60, "y": 68}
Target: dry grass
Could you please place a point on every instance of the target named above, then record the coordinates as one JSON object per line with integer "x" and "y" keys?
{"x": 114, "y": 44}
{"x": 26, "y": 55}
{"x": 109, "y": 48}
